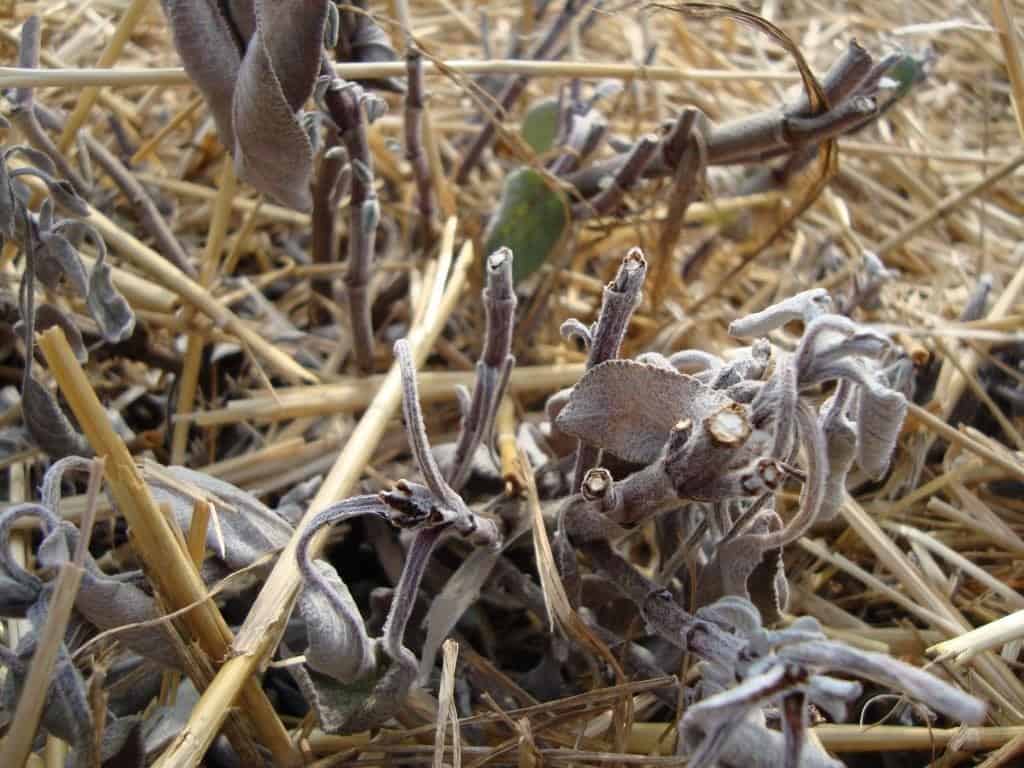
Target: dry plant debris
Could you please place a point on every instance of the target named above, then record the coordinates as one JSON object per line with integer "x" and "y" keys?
{"x": 312, "y": 311}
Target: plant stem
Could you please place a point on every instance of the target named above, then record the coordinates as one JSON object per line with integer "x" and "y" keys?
{"x": 364, "y": 215}
{"x": 620, "y": 298}
{"x": 513, "y": 90}
{"x": 260, "y": 633}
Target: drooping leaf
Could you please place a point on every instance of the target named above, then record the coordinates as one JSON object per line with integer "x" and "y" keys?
{"x": 531, "y": 220}
{"x": 255, "y": 63}
{"x": 339, "y": 649}
{"x": 56, "y": 258}
{"x": 108, "y": 307}
{"x": 277, "y": 74}
{"x": 209, "y": 49}
{"x": 540, "y": 125}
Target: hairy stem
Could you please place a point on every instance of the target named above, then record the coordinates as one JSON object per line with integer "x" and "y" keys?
{"x": 323, "y": 222}
{"x": 493, "y": 368}
{"x": 765, "y": 134}
{"x": 413, "y": 128}
{"x": 343, "y": 104}
{"x": 618, "y": 302}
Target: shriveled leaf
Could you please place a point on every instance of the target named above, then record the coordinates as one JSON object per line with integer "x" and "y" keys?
{"x": 108, "y": 307}
{"x": 243, "y": 529}
{"x": 122, "y": 745}
{"x": 57, "y": 258}
{"x": 540, "y": 125}
{"x": 531, "y": 220}
{"x": 61, "y": 191}
{"x": 880, "y": 415}
{"x": 255, "y": 63}
{"x": 66, "y": 713}
{"x": 337, "y": 648}
{"x": 108, "y": 603}
{"x": 628, "y": 408}
{"x": 33, "y": 156}
{"x": 277, "y": 74}
{"x": 50, "y": 428}
{"x": 336, "y": 704}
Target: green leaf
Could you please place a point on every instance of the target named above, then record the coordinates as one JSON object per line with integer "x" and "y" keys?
{"x": 531, "y": 220}
{"x": 540, "y": 126}
{"x": 906, "y": 72}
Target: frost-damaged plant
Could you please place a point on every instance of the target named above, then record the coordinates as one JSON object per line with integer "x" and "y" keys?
{"x": 714, "y": 440}
{"x": 119, "y": 607}
{"x": 50, "y": 244}
{"x": 257, "y": 63}
{"x": 341, "y": 656}
{"x": 102, "y": 602}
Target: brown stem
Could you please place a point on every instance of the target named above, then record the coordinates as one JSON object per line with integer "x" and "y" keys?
{"x": 686, "y": 185}
{"x": 765, "y": 134}
{"x": 626, "y": 177}
{"x": 414, "y": 152}
{"x": 343, "y": 104}
{"x": 322, "y": 224}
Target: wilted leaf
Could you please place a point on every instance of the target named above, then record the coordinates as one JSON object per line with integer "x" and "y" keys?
{"x": 277, "y": 74}
{"x": 531, "y": 220}
{"x": 256, "y": 63}
{"x": 361, "y": 39}
{"x": 108, "y": 307}
{"x": 60, "y": 190}
{"x": 337, "y": 648}
{"x": 56, "y": 257}
{"x": 208, "y": 48}
{"x": 540, "y": 125}
{"x": 122, "y": 745}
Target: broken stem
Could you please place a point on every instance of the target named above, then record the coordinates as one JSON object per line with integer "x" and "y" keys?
{"x": 493, "y": 368}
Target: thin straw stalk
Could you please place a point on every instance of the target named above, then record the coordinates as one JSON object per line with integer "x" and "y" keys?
{"x": 110, "y": 54}
{"x": 18, "y": 743}
{"x": 167, "y": 564}
{"x": 355, "y": 395}
{"x": 260, "y": 633}
{"x": 13, "y": 77}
